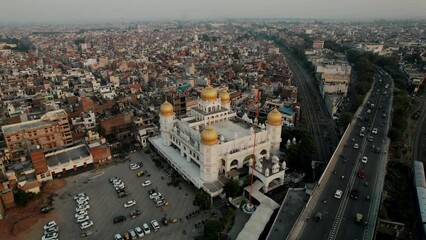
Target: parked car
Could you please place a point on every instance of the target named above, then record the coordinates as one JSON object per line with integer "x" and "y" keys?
{"x": 139, "y": 232}
{"x": 155, "y": 225}
{"x": 83, "y": 218}
{"x": 51, "y": 230}
{"x": 146, "y": 183}
{"x": 46, "y": 209}
{"x": 132, "y": 234}
{"x": 140, "y": 173}
{"x": 50, "y": 225}
{"x": 50, "y": 236}
{"x": 113, "y": 178}
{"x": 130, "y": 203}
{"x": 122, "y": 194}
{"x": 155, "y": 195}
{"x": 82, "y": 207}
{"x": 118, "y": 237}
{"x": 119, "y": 219}
{"x": 82, "y": 202}
{"x": 80, "y": 213}
{"x": 86, "y": 224}
{"x": 135, "y": 213}
{"x": 79, "y": 195}
{"x": 146, "y": 229}
{"x": 134, "y": 166}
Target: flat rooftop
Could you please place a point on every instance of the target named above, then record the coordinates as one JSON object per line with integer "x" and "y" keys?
{"x": 67, "y": 155}
{"x": 234, "y": 125}
{"x": 18, "y": 127}
{"x": 196, "y": 109}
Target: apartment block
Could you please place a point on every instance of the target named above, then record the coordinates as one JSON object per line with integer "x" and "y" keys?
{"x": 51, "y": 131}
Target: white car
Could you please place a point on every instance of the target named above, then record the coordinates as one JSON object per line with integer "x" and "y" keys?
{"x": 117, "y": 182}
{"x": 155, "y": 225}
{"x": 364, "y": 159}
{"x": 86, "y": 198}
{"x": 130, "y": 203}
{"x": 121, "y": 185}
{"x": 80, "y": 195}
{"x": 82, "y": 208}
{"x": 50, "y": 236}
{"x": 118, "y": 237}
{"x": 82, "y": 202}
{"x": 146, "y": 229}
{"x": 51, "y": 230}
{"x": 139, "y": 232}
{"x": 82, "y": 219}
{"x": 155, "y": 195}
{"x": 374, "y": 131}
{"x": 146, "y": 183}
{"x": 134, "y": 166}
{"x": 338, "y": 194}
{"x": 50, "y": 224}
{"x": 80, "y": 213}
{"x": 86, "y": 224}
{"x": 356, "y": 146}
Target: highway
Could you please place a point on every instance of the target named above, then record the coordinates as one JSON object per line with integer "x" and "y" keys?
{"x": 338, "y": 214}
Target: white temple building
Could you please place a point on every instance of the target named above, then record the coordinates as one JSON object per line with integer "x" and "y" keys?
{"x": 211, "y": 140}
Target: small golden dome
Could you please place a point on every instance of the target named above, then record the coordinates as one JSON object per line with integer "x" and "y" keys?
{"x": 275, "y": 118}
{"x": 166, "y": 109}
{"x": 209, "y": 136}
{"x": 209, "y": 94}
{"x": 225, "y": 97}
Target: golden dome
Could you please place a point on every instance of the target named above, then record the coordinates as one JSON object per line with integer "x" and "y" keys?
{"x": 209, "y": 94}
{"x": 225, "y": 97}
{"x": 209, "y": 136}
{"x": 166, "y": 109}
{"x": 275, "y": 118}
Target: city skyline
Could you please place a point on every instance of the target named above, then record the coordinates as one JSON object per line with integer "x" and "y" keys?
{"x": 80, "y": 11}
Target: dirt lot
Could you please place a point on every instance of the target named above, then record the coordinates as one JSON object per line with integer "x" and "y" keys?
{"x": 25, "y": 222}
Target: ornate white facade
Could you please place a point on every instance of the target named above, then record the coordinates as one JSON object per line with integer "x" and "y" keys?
{"x": 212, "y": 140}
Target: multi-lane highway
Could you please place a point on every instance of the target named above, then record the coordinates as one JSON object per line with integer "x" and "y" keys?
{"x": 338, "y": 215}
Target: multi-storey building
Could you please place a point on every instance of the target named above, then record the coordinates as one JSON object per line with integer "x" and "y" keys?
{"x": 212, "y": 141}
{"x": 51, "y": 131}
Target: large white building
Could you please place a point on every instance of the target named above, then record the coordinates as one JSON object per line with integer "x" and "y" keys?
{"x": 211, "y": 140}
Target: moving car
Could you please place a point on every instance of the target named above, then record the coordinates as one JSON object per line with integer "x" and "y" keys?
{"x": 354, "y": 194}
{"x": 130, "y": 203}
{"x": 86, "y": 224}
{"x": 370, "y": 138}
{"x": 155, "y": 225}
{"x": 338, "y": 194}
{"x": 374, "y": 131}
{"x": 119, "y": 219}
{"x": 361, "y": 174}
{"x": 146, "y": 183}
{"x": 364, "y": 159}
{"x": 356, "y": 146}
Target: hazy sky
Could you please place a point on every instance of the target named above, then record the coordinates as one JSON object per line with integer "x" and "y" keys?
{"x": 124, "y": 10}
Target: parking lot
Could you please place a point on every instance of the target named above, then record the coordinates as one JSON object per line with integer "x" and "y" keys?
{"x": 105, "y": 204}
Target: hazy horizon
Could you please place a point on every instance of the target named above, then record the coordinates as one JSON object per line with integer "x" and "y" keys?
{"x": 88, "y": 11}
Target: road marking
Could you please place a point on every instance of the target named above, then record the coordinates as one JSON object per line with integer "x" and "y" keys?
{"x": 100, "y": 174}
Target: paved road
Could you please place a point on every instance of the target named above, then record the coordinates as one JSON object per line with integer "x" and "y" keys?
{"x": 338, "y": 214}
{"x": 105, "y": 205}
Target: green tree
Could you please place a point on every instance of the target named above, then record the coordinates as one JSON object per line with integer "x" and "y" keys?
{"x": 22, "y": 197}
{"x": 346, "y": 118}
{"x": 212, "y": 229}
{"x": 232, "y": 188}
{"x": 202, "y": 200}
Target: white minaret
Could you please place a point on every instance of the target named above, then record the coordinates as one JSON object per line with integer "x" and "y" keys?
{"x": 209, "y": 168}
{"x": 167, "y": 116}
{"x": 274, "y": 125}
